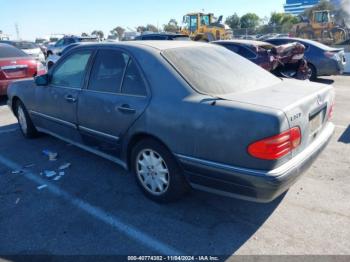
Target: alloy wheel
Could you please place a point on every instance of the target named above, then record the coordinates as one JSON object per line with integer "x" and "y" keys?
{"x": 152, "y": 172}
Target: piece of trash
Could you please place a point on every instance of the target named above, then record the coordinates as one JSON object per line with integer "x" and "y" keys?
{"x": 28, "y": 165}
{"x": 61, "y": 173}
{"x": 16, "y": 172}
{"x": 17, "y": 200}
{"x": 49, "y": 174}
{"x": 41, "y": 187}
{"x": 52, "y": 155}
{"x": 57, "y": 178}
{"x": 64, "y": 166}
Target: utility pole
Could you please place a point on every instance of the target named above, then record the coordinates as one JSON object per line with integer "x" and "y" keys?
{"x": 17, "y": 31}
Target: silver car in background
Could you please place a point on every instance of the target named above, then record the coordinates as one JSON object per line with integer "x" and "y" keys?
{"x": 29, "y": 48}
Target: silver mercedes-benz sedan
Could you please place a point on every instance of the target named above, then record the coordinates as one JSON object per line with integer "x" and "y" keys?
{"x": 180, "y": 115}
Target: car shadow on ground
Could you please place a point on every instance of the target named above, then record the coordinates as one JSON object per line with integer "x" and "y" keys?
{"x": 324, "y": 81}
{"x": 3, "y": 100}
{"x": 201, "y": 223}
{"x": 345, "y": 137}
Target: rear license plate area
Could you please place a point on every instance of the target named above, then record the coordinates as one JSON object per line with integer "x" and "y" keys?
{"x": 316, "y": 120}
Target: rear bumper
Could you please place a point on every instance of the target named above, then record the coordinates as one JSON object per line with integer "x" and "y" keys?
{"x": 331, "y": 67}
{"x": 253, "y": 185}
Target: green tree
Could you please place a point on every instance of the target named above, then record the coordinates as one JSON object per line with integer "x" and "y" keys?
{"x": 279, "y": 19}
{"x": 84, "y": 34}
{"x": 118, "y": 31}
{"x": 233, "y": 21}
{"x": 151, "y": 28}
{"x": 171, "y": 26}
{"x": 282, "y": 22}
{"x": 141, "y": 29}
{"x": 250, "y": 20}
{"x": 98, "y": 33}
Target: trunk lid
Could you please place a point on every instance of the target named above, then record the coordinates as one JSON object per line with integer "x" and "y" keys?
{"x": 16, "y": 68}
{"x": 305, "y": 104}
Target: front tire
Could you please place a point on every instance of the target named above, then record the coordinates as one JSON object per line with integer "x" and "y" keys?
{"x": 157, "y": 172}
{"x": 25, "y": 123}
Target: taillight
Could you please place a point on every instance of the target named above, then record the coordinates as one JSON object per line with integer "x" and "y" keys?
{"x": 2, "y": 75}
{"x": 40, "y": 69}
{"x": 330, "y": 111}
{"x": 329, "y": 54}
{"x": 275, "y": 147}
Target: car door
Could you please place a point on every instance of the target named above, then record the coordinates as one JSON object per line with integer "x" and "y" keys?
{"x": 115, "y": 97}
{"x": 56, "y": 104}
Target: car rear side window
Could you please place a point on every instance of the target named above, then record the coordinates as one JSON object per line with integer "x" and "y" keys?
{"x": 245, "y": 52}
{"x": 133, "y": 83}
{"x": 70, "y": 73}
{"x": 233, "y": 48}
{"x": 7, "y": 51}
{"x": 108, "y": 70}
{"x": 214, "y": 70}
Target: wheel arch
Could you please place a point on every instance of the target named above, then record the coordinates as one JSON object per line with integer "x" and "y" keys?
{"x": 135, "y": 139}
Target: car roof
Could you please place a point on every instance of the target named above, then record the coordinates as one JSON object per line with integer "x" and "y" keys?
{"x": 158, "y": 45}
{"x": 164, "y": 34}
{"x": 243, "y": 42}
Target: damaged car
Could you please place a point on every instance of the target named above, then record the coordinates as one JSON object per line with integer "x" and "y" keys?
{"x": 224, "y": 125}
{"x": 284, "y": 60}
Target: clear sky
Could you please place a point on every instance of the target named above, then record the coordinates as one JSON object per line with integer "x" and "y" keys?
{"x": 37, "y": 18}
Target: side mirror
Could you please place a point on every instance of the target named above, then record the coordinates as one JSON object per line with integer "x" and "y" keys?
{"x": 42, "y": 80}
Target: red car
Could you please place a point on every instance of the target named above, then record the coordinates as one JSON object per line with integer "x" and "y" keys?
{"x": 15, "y": 64}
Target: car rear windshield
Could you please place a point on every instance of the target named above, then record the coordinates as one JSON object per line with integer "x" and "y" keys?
{"x": 214, "y": 70}
{"x": 25, "y": 45}
{"x": 92, "y": 39}
{"x": 7, "y": 51}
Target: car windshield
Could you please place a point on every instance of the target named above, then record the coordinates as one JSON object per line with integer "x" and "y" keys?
{"x": 25, "y": 45}
{"x": 7, "y": 51}
{"x": 215, "y": 70}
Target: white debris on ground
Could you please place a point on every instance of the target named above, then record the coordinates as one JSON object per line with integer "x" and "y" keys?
{"x": 17, "y": 172}
{"x": 41, "y": 187}
{"x": 52, "y": 155}
{"x": 49, "y": 173}
{"x": 64, "y": 166}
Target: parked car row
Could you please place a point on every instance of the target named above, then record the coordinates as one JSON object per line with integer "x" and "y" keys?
{"x": 16, "y": 64}
{"x": 180, "y": 115}
{"x": 30, "y": 48}
{"x": 316, "y": 60}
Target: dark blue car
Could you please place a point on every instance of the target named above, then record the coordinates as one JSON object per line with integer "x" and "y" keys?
{"x": 322, "y": 60}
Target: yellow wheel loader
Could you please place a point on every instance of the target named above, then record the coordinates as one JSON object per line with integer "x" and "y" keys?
{"x": 322, "y": 27}
{"x": 205, "y": 27}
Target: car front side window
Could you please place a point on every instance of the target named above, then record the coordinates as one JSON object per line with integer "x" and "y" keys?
{"x": 70, "y": 73}
{"x": 108, "y": 70}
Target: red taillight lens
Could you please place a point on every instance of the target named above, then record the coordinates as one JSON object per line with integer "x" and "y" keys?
{"x": 40, "y": 69}
{"x": 331, "y": 111}
{"x": 275, "y": 147}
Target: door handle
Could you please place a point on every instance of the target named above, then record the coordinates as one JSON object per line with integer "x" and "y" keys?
{"x": 126, "y": 109}
{"x": 70, "y": 98}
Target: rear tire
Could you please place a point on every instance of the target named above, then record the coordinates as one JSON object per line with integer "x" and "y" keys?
{"x": 25, "y": 123}
{"x": 312, "y": 72}
{"x": 157, "y": 172}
